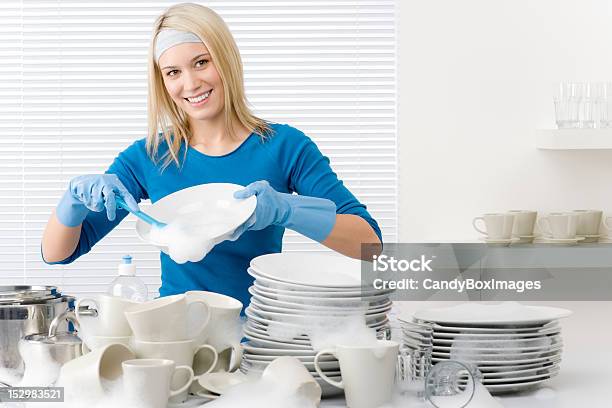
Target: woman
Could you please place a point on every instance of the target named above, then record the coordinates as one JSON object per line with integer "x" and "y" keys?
{"x": 201, "y": 131}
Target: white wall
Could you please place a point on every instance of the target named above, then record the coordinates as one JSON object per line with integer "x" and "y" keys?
{"x": 475, "y": 80}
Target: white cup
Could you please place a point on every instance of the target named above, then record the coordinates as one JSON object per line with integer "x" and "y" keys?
{"x": 110, "y": 320}
{"x": 148, "y": 382}
{"x": 368, "y": 372}
{"x": 83, "y": 377}
{"x": 203, "y": 359}
{"x": 559, "y": 225}
{"x": 96, "y": 342}
{"x": 293, "y": 376}
{"x": 166, "y": 319}
{"x": 497, "y": 225}
{"x": 588, "y": 222}
{"x": 524, "y": 222}
{"x": 224, "y": 328}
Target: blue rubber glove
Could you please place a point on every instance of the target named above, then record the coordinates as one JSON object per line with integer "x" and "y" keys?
{"x": 310, "y": 216}
{"x": 93, "y": 192}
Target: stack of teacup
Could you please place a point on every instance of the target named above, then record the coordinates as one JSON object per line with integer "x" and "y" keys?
{"x": 564, "y": 228}
{"x": 181, "y": 337}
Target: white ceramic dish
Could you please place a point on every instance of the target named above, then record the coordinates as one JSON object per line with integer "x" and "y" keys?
{"x": 502, "y": 342}
{"x": 328, "y": 367}
{"x": 480, "y": 336}
{"x": 216, "y": 200}
{"x": 502, "y": 388}
{"x": 518, "y": 373}
{"x": 310, "y": 269}
{"x": 260, "y": 334}
{"x": 507, "y": 368}
{"x": 321, "y": 299}
{"x": 308, "y": 317}
{"x": 220, "y": 382}
{"x": 318, "y": 312}
{"x": 269, "y": 351}
{"x": 298, "y": 328}
{"x": 500, "y": 314}
{"x": 259, "y": 342}
{"x": 303, "y": 359}
{"x": 436, "y": 358}
{"x": 264, "y": 285}
{"x": 332, "y": 305}
{"x": 499, "y": 353}
{"x": 509, "y": 380}
{"x": 497, "y": 350}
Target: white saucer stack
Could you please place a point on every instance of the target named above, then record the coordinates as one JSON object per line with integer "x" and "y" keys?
{"x": 515, "y": 347}
{"x": 298, "y": 295}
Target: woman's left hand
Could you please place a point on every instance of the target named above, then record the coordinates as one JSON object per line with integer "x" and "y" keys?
{"x": 310, "y": 216}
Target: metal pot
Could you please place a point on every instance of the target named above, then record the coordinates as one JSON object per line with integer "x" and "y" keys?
{"x": 26, "y": 310}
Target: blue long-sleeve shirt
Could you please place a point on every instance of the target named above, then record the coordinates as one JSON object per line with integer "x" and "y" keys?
{"x": 288, "y": 160}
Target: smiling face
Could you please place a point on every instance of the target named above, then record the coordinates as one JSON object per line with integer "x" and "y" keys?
{"x": 192, "y": 81}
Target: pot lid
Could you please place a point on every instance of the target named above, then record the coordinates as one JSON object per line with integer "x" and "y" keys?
{"x": 23, "y": 294}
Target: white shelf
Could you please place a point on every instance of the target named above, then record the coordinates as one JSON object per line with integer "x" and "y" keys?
{"x": 574, "y": 139}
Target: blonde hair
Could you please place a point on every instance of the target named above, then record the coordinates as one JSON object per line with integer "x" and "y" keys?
{"x": 169, "y": 122}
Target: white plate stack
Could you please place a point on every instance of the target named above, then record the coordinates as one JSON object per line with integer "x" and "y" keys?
{"x": 297, "y": 295}
{"x": 515, "y": 347}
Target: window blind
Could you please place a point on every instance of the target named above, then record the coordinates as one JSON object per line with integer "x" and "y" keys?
{"x": 73, "y": 95}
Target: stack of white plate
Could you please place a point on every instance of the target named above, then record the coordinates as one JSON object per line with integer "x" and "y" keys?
{"x": 296, "y": 293}
{"x": 514, "y": 346}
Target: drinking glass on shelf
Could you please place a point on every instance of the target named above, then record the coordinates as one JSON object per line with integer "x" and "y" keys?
{"x": 605, "y": 117}
{"x": 567, "y": 99}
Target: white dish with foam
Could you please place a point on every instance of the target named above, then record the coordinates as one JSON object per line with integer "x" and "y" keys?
{"x": 209, "y": 208}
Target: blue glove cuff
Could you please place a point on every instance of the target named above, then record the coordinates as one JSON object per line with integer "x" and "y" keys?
{"x": 70, "y": 211}
{"x": 310, "y": 216}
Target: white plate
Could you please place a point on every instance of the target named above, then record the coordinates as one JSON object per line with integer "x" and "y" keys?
{"x": 519, "y": 373}
{"x": 331, "y": 304}
{"x": 216, "y": 200}
{"x": 499, "y": 388}
{"x": 501, "y": 353}
{"x": 506, "y": 368}
{"x": 303, "y": 359}
{"x": 500, "y": 381}
{"x": 500, "y": 314}
{"x": 220, "y": 382}
{"x": 470, "y": 341}
{"x": 259, "y": 342}
{"x": 310, "y": 269}
{"x": 504, "y": 362}
{"x": 553, "y": 331}
{"x": 256, "y": 301}
{"x": 506, "y": 350}
{"x": 269, "y": 351}
{"x": 329, "y": 368}
{"x": 263, "y": 330}
{"x": 261, "y": 334}
{"x": 297, "y": 327}
{"x": 308, "y": 318}
{"x": 324, "y": 298}
{"x": 264, "y": 284}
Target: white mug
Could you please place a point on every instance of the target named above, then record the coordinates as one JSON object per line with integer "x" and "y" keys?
{"x": 110, "y": 319}
{"x": 559, "y": 225}
{"x": 224, "y": 328}
{"x": 524, "y": 222}
{"x": 166, "y": 319}
{"x": 203, "y": 359}
{"x": 147, "y": 382}
{"x": 497, "y": 225}
{"x": 368, "y": 372}
{"x": 588, "y": 222}
{"x": 96, "y": 342}
{"x": 292, "y": 375}
{"x": 83, "y": 377}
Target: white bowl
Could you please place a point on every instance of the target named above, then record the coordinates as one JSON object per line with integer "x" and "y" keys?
{"x": 216, "y": 200}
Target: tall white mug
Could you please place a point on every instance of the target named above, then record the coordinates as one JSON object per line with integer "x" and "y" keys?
{"x": 368, "y": 372}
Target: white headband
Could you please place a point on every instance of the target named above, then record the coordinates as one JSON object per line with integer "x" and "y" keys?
{"x": 168, "y": 38}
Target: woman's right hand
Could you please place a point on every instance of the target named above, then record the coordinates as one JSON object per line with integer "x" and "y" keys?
{"x": 92, "y": 192}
